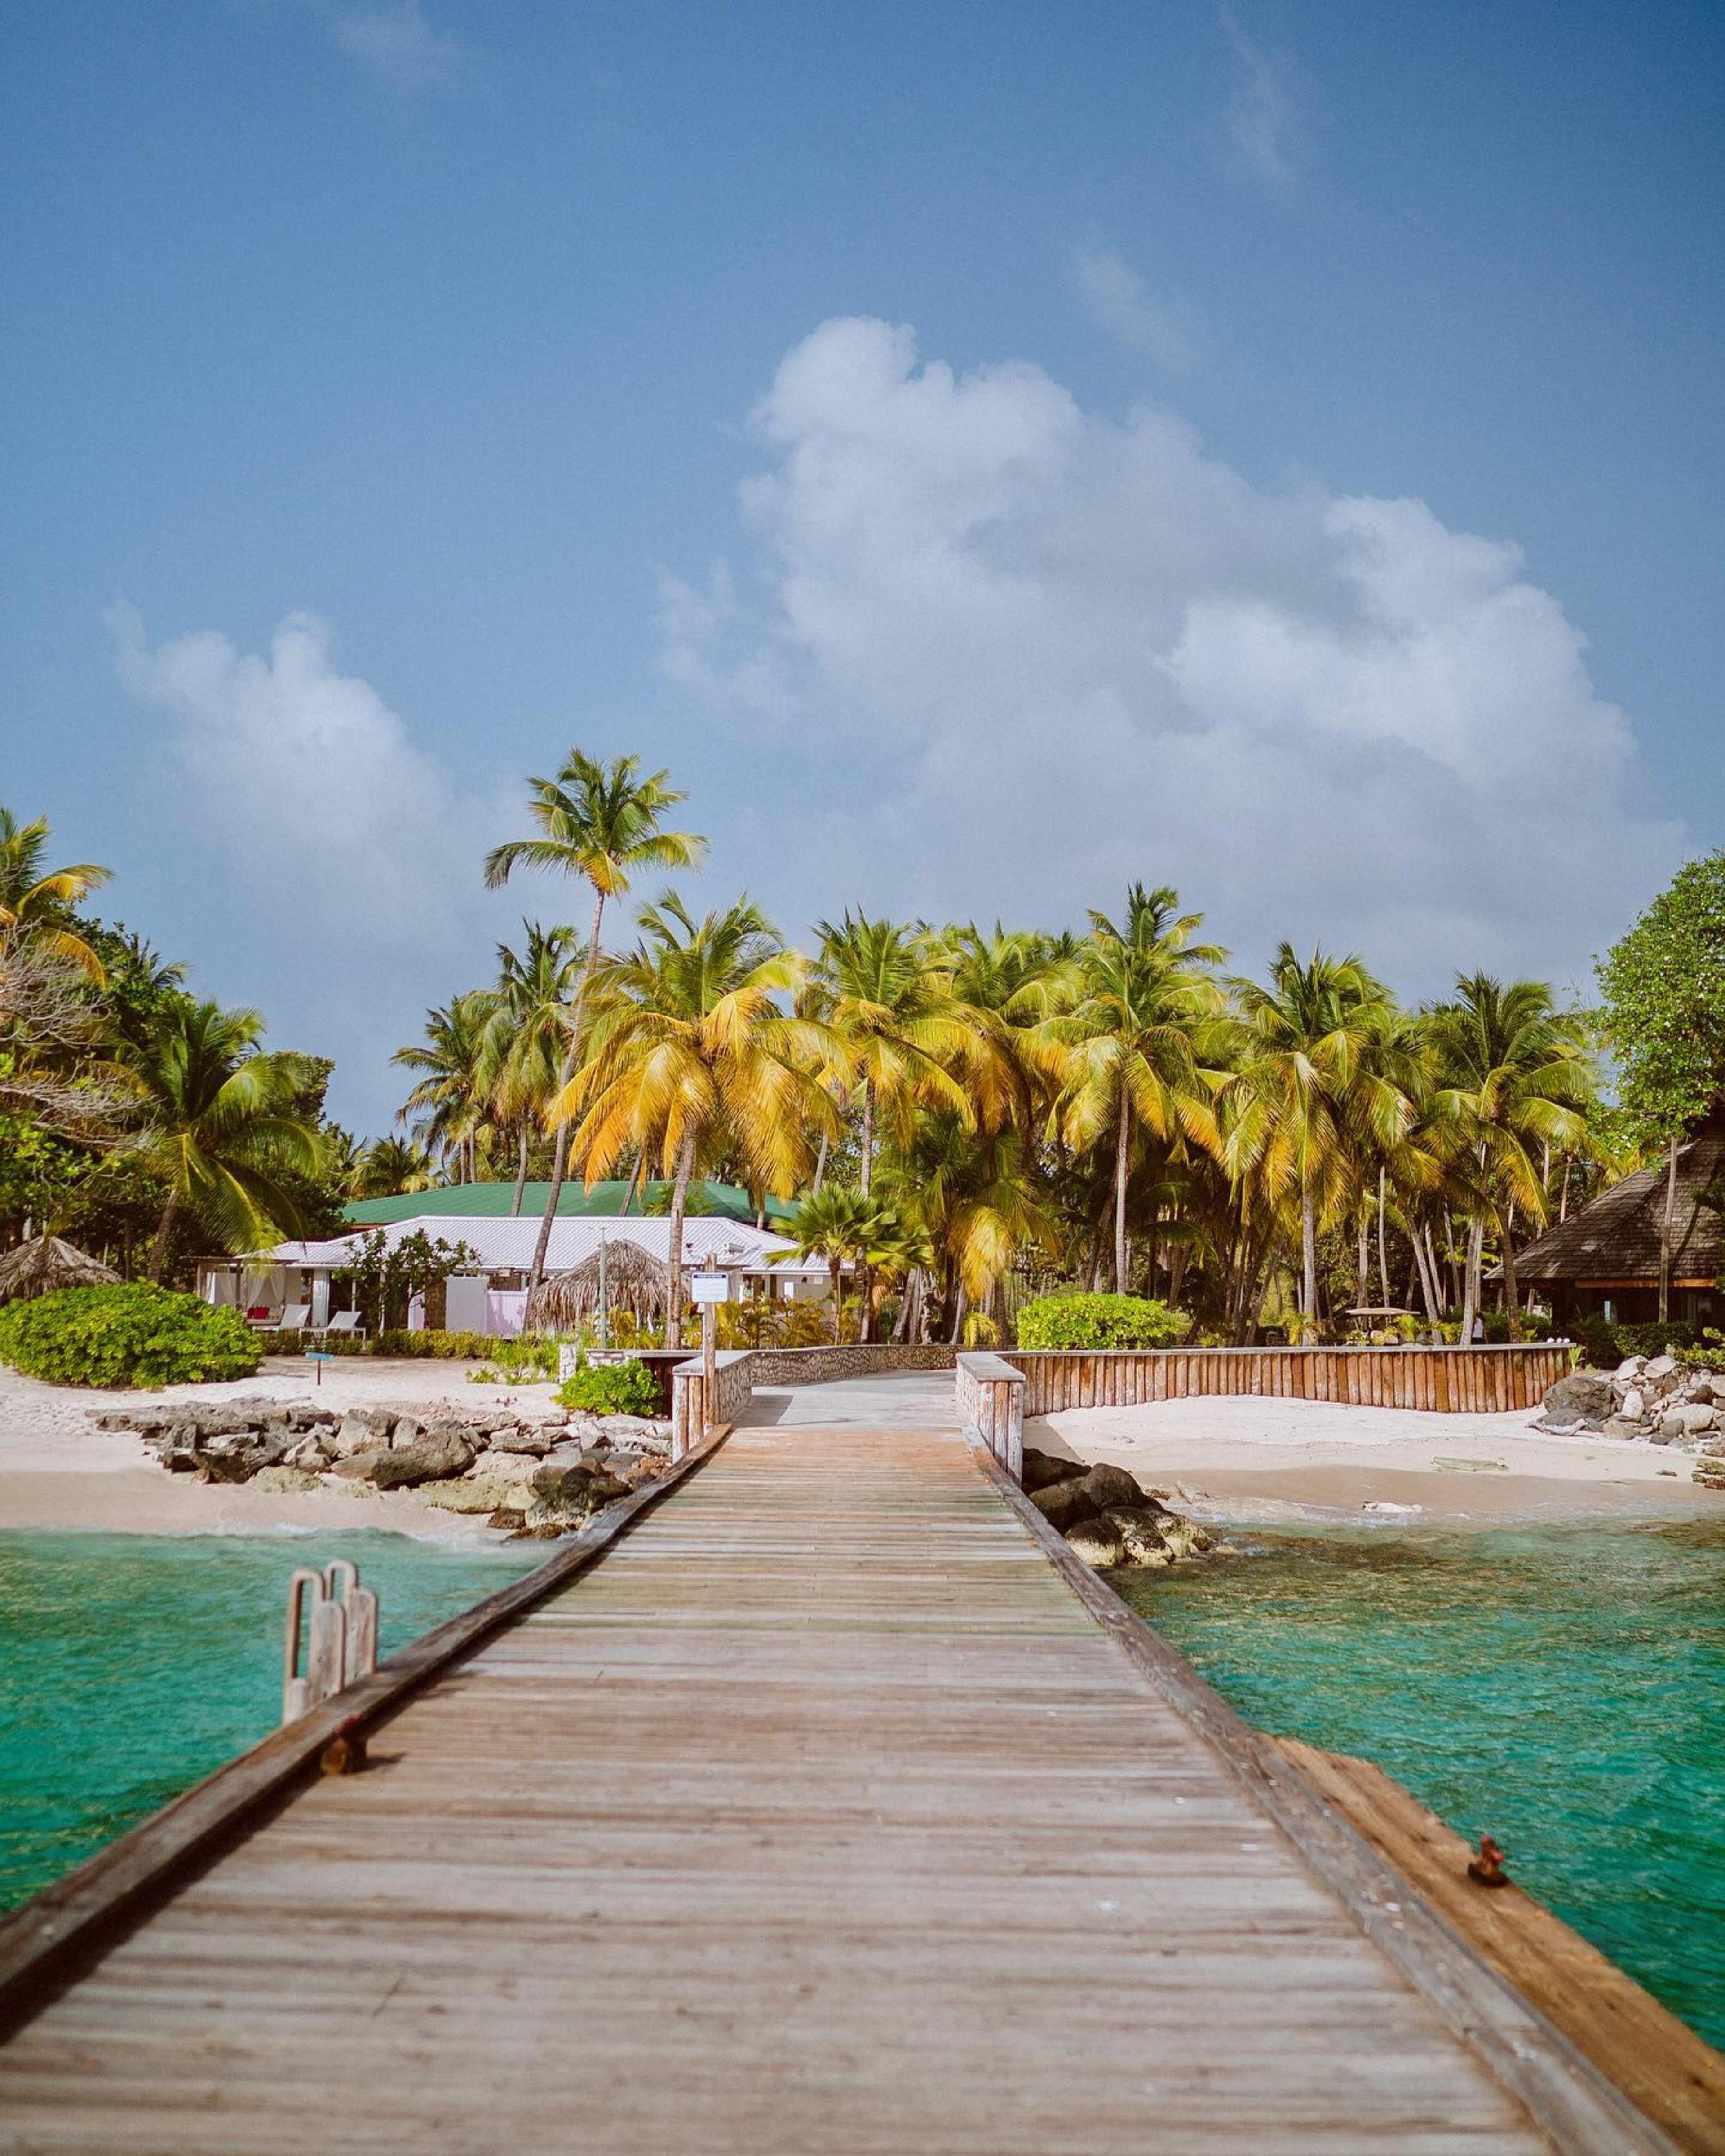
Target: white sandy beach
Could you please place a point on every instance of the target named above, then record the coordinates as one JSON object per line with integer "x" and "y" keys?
{"x": 1264, "y": 1459}
{"x": 57, "y": 1470}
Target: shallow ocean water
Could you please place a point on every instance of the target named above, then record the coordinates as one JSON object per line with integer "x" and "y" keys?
{"x": 131, "y": 1665}
{"x": 1561, "y": 1686}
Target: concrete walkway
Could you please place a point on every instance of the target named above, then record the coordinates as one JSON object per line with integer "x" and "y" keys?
{"x": 891, "y": 1400}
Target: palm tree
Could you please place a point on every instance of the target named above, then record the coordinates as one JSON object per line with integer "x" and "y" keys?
{"x": 1135, "y": 1050}
{"x": 879, "y": 988}
{"x": 389, "y": 1166}
{"x": 1514, "y": 1079}
{"x": 39, "y": 899}
{"x": 832, "y": 1224}
{"x": 601, "y": 823}
{"x": 528, "y": 1033}
{"x": 448, "y": 1105}
{"x": 689, "y": 1055}
{"x": 977, "y": 1196}
{"x": 1316, "y": 1092}
{"x": 223, "y": 1126}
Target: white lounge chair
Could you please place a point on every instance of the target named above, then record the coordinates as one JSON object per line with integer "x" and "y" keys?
{"x": 295, "y": 1317}
{"x": 345, "y": 1320}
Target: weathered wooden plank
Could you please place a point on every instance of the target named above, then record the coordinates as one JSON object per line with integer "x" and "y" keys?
{"x": 1677, "y": 2080}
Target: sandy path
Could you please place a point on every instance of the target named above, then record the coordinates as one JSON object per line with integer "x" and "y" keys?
{"x": 1264, "y": 1459}
{"x": 57, "y": 1469}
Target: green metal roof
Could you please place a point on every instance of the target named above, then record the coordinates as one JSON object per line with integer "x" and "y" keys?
{"x": 493, "y": 1201}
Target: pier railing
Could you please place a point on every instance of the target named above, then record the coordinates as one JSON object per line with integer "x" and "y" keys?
{"x": 1044, "y": 1381}
{"x": 1442, "y": 1380}
{"x": 991, "y": 1408}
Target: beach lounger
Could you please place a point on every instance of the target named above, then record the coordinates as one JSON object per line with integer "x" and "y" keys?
{"x": 345, "y": 1321}
{"x": 294, "y": 1316}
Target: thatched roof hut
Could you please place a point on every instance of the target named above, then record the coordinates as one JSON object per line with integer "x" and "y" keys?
{"x": 633, "y": 1281}
{"x": 1609, "y": 1248}
{"x": 45, "y": 1263}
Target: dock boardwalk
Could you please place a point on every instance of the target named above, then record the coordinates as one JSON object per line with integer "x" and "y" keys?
{"x": 822, "y": 1814}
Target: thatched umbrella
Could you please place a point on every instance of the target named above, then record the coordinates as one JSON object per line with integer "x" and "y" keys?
{"x": 633, "y": 1281}
{"x": 45, "y": 1263}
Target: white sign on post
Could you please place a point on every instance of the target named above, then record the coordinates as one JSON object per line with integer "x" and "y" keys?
{"x": 709, "y": 1287}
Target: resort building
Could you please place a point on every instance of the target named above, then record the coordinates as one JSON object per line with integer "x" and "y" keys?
{"x": 1604, "y": 1259}
{"x": 490, "y": 1296}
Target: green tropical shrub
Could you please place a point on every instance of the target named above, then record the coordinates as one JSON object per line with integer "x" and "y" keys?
{"x": 1603, "y": 1345}
{"x": 129, "y": 1335}
{"x": 1100, "y": 1321}
{"x": 611, "y": 1389}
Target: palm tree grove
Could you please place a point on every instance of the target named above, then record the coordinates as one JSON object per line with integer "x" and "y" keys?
{"x": 960, "y": 1117}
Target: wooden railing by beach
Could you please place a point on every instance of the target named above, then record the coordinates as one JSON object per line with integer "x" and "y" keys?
{"x": 991, "y": 1408}
{"x": 1443, "y": 1380}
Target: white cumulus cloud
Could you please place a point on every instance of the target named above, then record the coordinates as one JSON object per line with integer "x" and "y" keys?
{"x": 338, "y": 849}
{"x": 1011, "y": 653}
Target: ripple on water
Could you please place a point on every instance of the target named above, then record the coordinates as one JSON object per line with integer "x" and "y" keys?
{"x": 130, "y": 1665}
{"x": 1562, "y": 1686}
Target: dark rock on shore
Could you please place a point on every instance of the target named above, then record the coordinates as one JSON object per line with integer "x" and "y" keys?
{"x": 1107, "y": 1516}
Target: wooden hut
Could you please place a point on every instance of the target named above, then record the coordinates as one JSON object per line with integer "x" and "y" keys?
{"x": 46, "y": 1262}
{"x": 1604, "y": 1259}
{"x": 621, "y": 1272}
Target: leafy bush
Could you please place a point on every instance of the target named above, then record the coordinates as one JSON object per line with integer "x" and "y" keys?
{"x": 129, "y": 1335}
{"x": 609, "y": 1388}
{"x": 1098, "y": 1321}
{"x": 1603, "y": 1345}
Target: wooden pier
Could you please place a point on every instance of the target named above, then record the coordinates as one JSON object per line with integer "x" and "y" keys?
{"x": 834, "y": 1808}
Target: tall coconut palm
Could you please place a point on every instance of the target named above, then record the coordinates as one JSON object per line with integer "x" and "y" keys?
{"x": 223, "y": 1126}
{"x": 449, "y": 1102}
{"x": 601, "y": 823}
{"x": 1315, "y": 1095}
{"x": 882, "y": 989}
{"x": 1514, "y": 1078}
{"x": 38, "y": 899}
{"x": 526, "y": 1036}
{"x": 1137, "y": 1048}
{"x": 690, "y": 1053}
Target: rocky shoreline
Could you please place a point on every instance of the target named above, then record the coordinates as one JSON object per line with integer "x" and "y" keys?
{"x": 532, "y": 1474}
{"x": 1650, "y": 1399}
{"x": 1111, "y": 1519}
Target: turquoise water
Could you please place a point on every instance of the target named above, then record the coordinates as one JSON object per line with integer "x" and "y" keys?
{"x": 1562, "y": 1687}
{"x": 130, "y": 1665}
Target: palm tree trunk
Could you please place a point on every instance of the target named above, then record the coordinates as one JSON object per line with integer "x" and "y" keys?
{"x": 820, "y": 1167}
{"x": 1362, "y": 1262}
{"x": 634, "y": 1177}
{"x": 835, "y": 1271}
{"x": 674, "y": 1251}
{"x": 521, "y": 1173}
{"x": 560, "y": 1151}
{"x": 961, "y": 1303}
{"x": 1122, "y": 1144}
{"x": 158, "y": 1249}
{"x": 1383, "y": 1254}
{"x": 1668, "y": 1231}
{"x": 1308, "y": 1257}
{"x": 1471, "y": 1280}
{"x": 868, "y": 1136}
{"x": 1512, "y": 1296}
{"x": 1426, "y": 1270}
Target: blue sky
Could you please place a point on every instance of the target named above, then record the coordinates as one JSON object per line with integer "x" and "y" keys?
{"x": 986, "y": 451}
